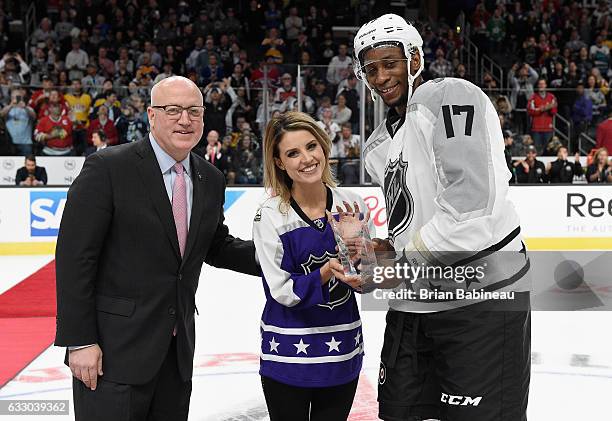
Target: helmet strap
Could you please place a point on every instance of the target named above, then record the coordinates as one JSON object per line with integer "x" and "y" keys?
{"x": 412, "y": 78}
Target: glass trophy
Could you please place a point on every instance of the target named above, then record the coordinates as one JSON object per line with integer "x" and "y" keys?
{"x": 353, "y": 238}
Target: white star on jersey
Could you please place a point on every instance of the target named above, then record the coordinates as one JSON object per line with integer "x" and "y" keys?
{"x": 333, "y": 345}
{"x": 274, "y": 345}
{"x": 357, "y": 338}
{"x": 301, "y": 347}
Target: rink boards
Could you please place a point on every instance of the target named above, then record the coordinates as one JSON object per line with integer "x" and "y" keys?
{"x": 552, "y": 217}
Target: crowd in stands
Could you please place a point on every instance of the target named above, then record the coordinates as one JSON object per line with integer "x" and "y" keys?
{"x": 93, "y": 63}
{"x": 86, "y": 84}
{"x": 556, "y": 55}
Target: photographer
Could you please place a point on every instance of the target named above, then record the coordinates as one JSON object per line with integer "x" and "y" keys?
{"x": 14, "y": 68}
{"x": 31, "y": 175}
{"x": 19, "y": 121}
{"x": 217, "y": 101}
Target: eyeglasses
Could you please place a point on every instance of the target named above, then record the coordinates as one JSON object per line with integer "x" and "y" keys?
{"x": 176, "y": 111}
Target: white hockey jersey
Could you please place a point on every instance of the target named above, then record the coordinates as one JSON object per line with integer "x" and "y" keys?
{"x": 445, "y": 181}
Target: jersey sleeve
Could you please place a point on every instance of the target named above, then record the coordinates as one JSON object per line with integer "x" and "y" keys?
{"x": 287, "y": 286}
{"x": 468, "y": 154}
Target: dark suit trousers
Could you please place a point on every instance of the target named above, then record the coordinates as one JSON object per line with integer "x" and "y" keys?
{"x": 166, "y": 397}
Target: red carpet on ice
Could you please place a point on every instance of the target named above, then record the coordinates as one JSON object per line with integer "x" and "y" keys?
{"x": 27, "y": 321}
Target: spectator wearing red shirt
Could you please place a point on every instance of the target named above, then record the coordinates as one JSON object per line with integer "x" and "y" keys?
{"x": 55, "y": 132}
{"x": 41, "y": 96}
{"x": 604, "y": 133}
{"x": 258, "y": 75}
{"x": 105, "y": 124}
{"x": 286, "y": 90}
{"x": 542, "y": 106}
{"x": 54, "y": 98}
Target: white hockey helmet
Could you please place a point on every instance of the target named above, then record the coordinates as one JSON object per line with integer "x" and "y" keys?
{"x": 387, "y": 30}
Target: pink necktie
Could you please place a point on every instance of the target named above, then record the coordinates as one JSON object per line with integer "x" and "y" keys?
{"x": 179, "y": 206}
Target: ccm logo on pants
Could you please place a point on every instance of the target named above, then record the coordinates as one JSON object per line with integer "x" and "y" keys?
{"x": 460, "y": 400}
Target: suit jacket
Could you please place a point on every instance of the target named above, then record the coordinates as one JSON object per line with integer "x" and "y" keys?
{"x": 40, "y": 173}
{"x": 121, "y": 281}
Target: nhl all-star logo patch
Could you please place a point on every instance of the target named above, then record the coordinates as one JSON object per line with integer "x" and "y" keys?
{"x": 382, "y": 374}
{"x": 339, "y": 292}
{"x": 399, "y": 201}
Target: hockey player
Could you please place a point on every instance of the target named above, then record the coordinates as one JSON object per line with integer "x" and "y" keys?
{"x": 312, "y": 346}
{"x": 439, "y": 156}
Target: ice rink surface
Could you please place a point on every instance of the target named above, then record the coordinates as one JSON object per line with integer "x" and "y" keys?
{"x": 571, "y": 351}
{"x": 571, "y": 356}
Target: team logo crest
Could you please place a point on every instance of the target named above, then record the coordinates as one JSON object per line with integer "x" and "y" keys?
{"x": 400, "y": 205}
{"x": 339, "y": 293}
{"x": 319, "y": 224}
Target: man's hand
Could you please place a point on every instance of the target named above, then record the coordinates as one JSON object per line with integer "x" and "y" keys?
{"x": 525, "y": 165}
{"x": 381, "y": 245}
{"x": 41, "y": 137}
{"x": 86, "y": 365}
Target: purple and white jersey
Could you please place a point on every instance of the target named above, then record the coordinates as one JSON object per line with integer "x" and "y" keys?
{"x": 311, "y": 333}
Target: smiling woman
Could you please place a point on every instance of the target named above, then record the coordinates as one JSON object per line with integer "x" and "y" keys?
{"x": 313, "y": 376}
{"x": 294, "y": 142}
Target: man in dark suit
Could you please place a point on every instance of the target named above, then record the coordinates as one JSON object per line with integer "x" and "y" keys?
{"x": 139, "y": 221}
{"x": 31, "y": 174}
